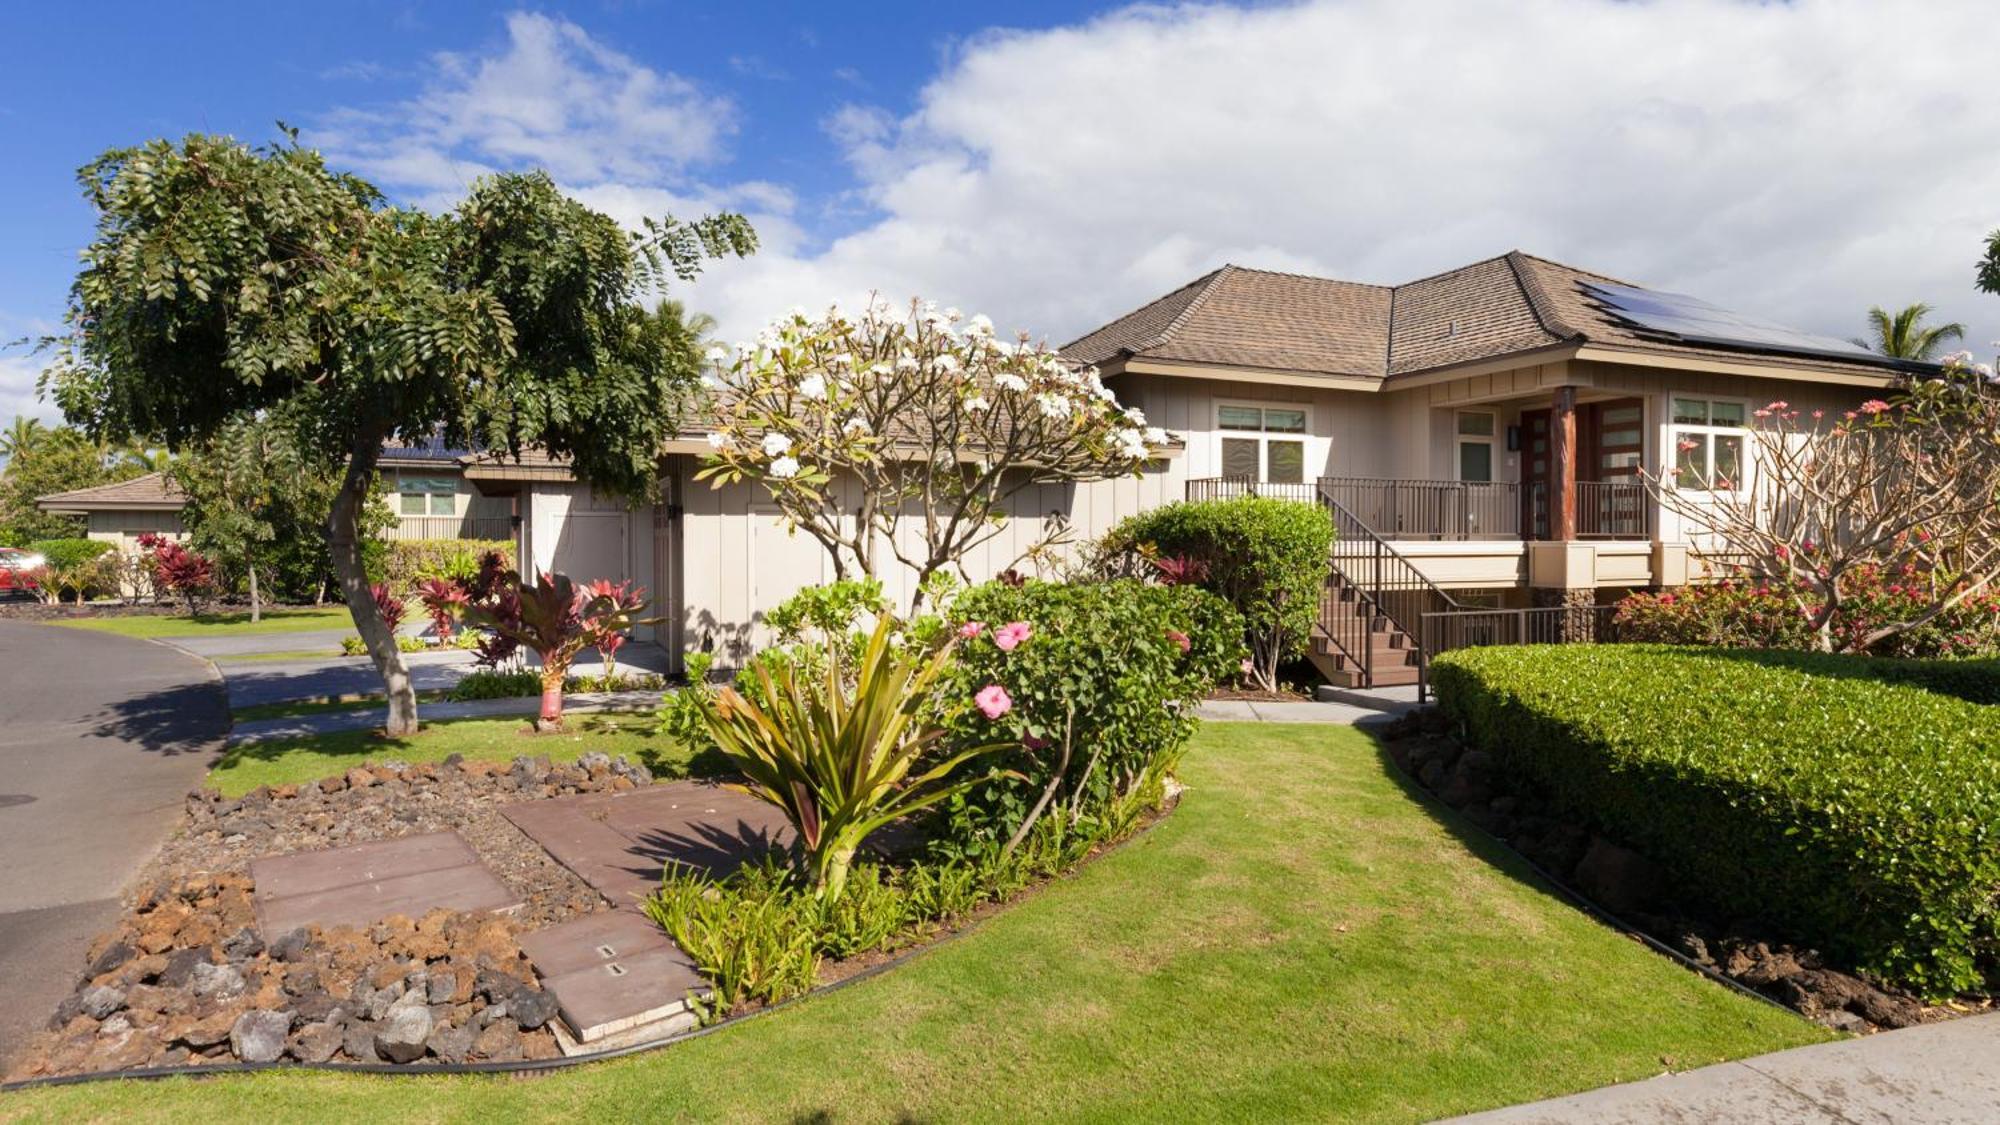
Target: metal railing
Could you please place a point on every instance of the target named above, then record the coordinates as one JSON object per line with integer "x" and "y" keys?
{"x": 1431, "y": 509}
{"x": 1226, "y": 488}
{"x": 1604, "y": 510}
{"x": 451, "y": 527}
{"x": 1461, "y": 627}
{"x": 1371, "y": 584}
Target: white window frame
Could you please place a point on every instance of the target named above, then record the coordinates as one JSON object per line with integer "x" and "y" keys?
{"x": 1707, "y": 433}
{"x": 1314, "y": 447}
{"x": 1486, "y": 439}
{"x": 429, "y": 489}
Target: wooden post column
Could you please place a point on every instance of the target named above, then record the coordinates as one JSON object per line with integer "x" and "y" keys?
{"x": 1562, "y": 455}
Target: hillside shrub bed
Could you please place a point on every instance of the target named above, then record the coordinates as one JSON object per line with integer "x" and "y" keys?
{"x": 1851, "y": 803}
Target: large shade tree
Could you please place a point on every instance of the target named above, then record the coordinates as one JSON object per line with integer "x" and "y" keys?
{"x": 226, "y": 279}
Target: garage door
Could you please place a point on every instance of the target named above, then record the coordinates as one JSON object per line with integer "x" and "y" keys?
{"x": 591, "y": 545}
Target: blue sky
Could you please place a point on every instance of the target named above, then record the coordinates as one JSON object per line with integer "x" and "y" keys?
{"x": 1056, "y": 164}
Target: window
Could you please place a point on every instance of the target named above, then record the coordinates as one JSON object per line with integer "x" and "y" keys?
{"x": 1708, "y": 444}
{"x": 1475, "y": 445}
{"x": 427, "y": 496}
{"x": 1255, "y": 445}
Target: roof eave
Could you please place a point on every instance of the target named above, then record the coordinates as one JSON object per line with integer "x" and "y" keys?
{"x": 1757, "y": 366}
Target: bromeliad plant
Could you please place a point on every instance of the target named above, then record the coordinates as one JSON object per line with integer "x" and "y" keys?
{"x": 443, "y": 601}
{"x": 843, "y": 751}
{"x": 619, "y": 605}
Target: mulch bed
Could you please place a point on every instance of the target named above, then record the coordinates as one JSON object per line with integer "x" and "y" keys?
{"x": 1258, "y": 695}
{"x": 1626, "y": 885}
{"x": 187, "y": 979}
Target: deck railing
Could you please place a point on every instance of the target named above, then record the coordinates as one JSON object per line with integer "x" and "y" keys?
{"x": 1431, "y": 509}
{"x": 1604, "y": 510}
{"x": 1443, "y": 631}
{"x": 451, "y": 527}
{"x": 1227, "y": 488}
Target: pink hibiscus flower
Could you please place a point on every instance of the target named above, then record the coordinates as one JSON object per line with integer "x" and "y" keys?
{"x": 1012, "y": 635}
{"x": 971, "y": 629}
{"x": 1181, "y": 639}
{"x": 993, "y": 701}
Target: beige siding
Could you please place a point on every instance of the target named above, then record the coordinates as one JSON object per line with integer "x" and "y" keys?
{"x": 125, "y": 527}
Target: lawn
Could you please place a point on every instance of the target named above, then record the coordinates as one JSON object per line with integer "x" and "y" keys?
{"x": 279, "y": 761}
{"x": 215, "y": 624}
{"x": 1306, "y": 938}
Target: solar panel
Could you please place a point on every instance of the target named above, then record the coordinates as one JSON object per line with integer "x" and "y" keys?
{"x": 1692, "y": 320}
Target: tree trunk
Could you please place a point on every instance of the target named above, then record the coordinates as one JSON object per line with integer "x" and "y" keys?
{"x": 551, "y": 717}
{"x": 343, "y": 540}
{"x": 256, "y": 606}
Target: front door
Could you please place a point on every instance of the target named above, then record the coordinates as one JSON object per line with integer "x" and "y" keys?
{"x": 1610, "y": 441}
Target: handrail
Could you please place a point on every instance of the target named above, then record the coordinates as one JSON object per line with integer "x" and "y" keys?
{"x": 1388, "y": 584}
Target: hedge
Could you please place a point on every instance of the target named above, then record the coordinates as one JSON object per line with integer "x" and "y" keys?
{"x": 66, "y": 553}
{"x": 407, "y": 562}
{"x": 1267, "y": 557}
{"x": 1852, "y": 803}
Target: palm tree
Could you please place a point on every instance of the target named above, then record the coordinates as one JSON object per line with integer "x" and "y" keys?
{"x": 21, "y": 436}
{"x": 1904, "y": 335}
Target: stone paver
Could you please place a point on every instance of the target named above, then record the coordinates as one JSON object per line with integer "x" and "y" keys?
{"x": 363, "y": 883}
{"x": 612, "y": 972}
{"x": 101, "y": 737}
{"x": 1937, "y": 1073}
{"x": 1299, "y": 711}
{"x": 618, "y": 843}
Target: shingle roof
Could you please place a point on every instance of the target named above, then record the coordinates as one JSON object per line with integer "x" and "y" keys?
{"x": 1502, "y": 306}
{"x": 1241, "y": 317}
{"x": 153, "y": 490}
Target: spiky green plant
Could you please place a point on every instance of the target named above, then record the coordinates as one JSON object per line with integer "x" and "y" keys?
{"x": 839, "y": 750}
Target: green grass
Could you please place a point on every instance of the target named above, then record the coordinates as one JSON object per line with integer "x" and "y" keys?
{"x": 1306, "y": 938}
{"x": 324, "y": 706}
{"x": 215, "y": 624}
{"x": 282, "y": 761}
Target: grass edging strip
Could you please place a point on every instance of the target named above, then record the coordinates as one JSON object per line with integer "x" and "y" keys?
{"x": 540, "y": 1066}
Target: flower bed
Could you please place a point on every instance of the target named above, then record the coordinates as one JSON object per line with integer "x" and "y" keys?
{"x": 1838, "y": 800}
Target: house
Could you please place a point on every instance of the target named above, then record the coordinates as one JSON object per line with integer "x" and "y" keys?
{"x": 1477, "y": 435}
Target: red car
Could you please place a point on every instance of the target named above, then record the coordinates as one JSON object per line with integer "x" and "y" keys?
{"x": 15, "y": 565}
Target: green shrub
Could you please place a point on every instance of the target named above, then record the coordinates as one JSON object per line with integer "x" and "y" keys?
{"x": 489, "y": 684}
{"x": 406, "y": 562}
{"x": 1742, "y": 613}
{"x": 79, "y": 567}
{"x": 1852, "y": 803}
{"x": 1266, "y": 557}
{"x": 1100, "y": 693}
{"x": 751, "y": 934}
{"x": 62, "y": 553}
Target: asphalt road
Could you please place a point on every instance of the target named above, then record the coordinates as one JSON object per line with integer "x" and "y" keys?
{"x": 101, "y": 737}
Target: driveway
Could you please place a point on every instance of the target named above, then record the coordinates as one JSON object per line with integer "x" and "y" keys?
{"x": 101, "y": 737}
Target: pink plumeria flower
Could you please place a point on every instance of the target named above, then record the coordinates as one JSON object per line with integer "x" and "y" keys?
{"x": 1874, "y": 406}
{"x": 971, "y": 629}
{"x": 1012, "y": 635}
{"x": 993, "y": 701}
{"x": 1249, "y": 669}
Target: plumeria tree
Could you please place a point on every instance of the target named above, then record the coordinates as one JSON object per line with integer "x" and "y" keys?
{"x": 933, "y": 420}
{"x": 1906, "y": 485}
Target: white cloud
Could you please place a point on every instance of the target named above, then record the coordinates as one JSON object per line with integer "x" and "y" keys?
{"x": 1789, "y": 160}
{"x": 1786, "y": 160}
{"x": 17, "y": 390}
{"x": 553, "y": 98}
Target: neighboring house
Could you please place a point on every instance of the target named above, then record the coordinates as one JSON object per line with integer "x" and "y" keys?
{"x": 1478, "y": 436}
{"x": 120, "y": 513}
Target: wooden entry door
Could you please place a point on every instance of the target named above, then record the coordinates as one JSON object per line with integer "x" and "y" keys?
{"x": 1538, "y": 472}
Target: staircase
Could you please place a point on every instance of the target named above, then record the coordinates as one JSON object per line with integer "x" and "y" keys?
{"x": 1370, "y": 608}
{"x": 1391, "y": 655}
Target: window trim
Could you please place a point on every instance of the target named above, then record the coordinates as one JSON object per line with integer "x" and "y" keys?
{"x": 1708, "y": 432}
{"x": 1309, "y": 442}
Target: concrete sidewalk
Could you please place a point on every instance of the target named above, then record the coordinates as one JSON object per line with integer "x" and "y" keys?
{"x": 1940, "y": 1072}
{"x": 1353, "y": 708}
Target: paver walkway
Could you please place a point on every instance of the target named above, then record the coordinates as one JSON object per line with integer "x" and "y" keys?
{"x": 1299, "y": 711}
{"x": 363, "y": 883}
{"x": 101, "y": 737}
{"x": 1941, "y": 1072}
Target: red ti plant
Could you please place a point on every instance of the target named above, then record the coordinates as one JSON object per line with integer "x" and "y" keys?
{"x": 547, "y": 617}
{"x": 443, "y": 599}
{"x": 388, "y": 606}
{"x": 177, "y": 570}
{"x": 610, "y": 626}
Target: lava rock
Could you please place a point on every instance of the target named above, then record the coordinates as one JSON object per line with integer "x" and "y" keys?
{"x": 114, "y": 955}
{"x": 219, "y": 982}
{"x": 99, "y": 1002}
{"x": 291, "y": 945}
{"x": 242, "y": 945}
{"x": 180, "y": 967}
{"x": 317, "y": 1042}
{"x": 403, "y": 1037}
{"x": 499, "y": 1041}
{"x": 259, "y": 1035}
{"x": 450, "y": 1044}
{"x": 1619, "y": 879}
{"x": 531, "y": 1007}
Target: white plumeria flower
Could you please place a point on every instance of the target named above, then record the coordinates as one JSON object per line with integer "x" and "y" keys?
{"x": 945, "y": 363}
{"x": 1008, "y": 381}
{"x": 842, "y": 362}
{"x": 1132, "y": 444}
{"x": 1155, "y": 436}
{"x": 952, "y": 314}
{"x": 776, "y": 444}
{"x": 784, "y": 468}
{"x": 906, "y": 362}
{"x": 1053, "y": 406}
{"x": 813, "y": 386}
{"x": 1135, "y": 416}
{"x": 856, "y": 425}
{"x": 880, "y": 370}
{"x": 721, "y": 442}
{"x": 980, "y": 325}
{"x": 716, "y": 354}
{"x": 977, "y": 403}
